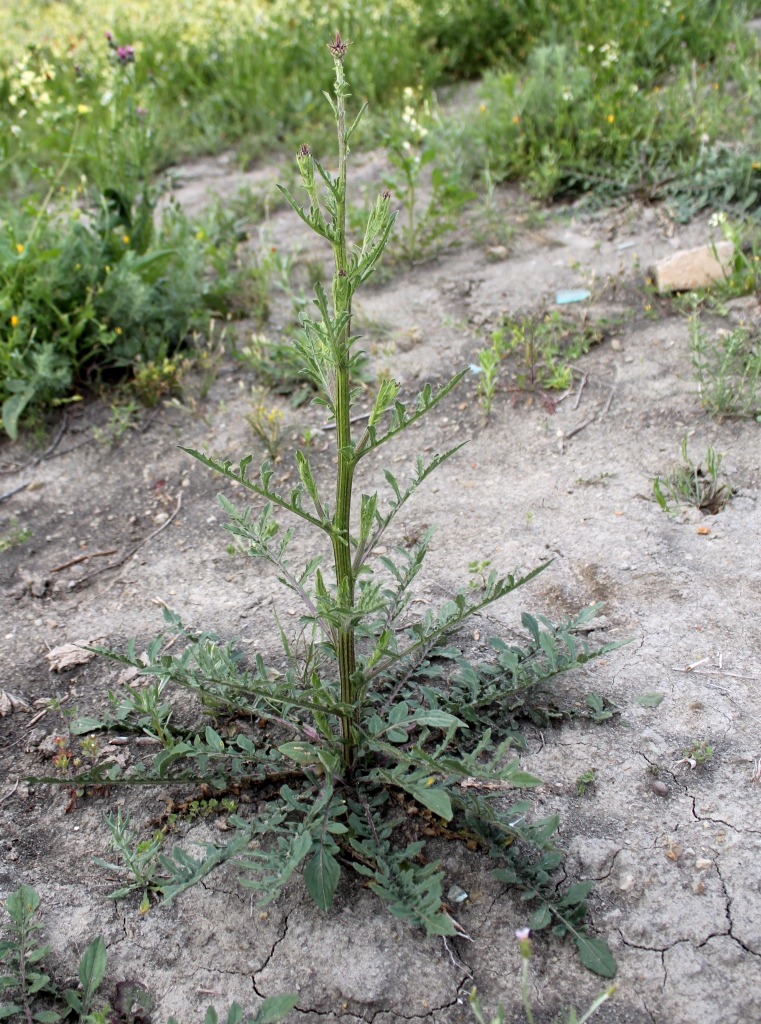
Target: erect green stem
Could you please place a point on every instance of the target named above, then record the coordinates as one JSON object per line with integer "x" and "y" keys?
{"x": 524, "y": 991}
{"x": 22, "y": 967}
{"x": 342, "y": 304}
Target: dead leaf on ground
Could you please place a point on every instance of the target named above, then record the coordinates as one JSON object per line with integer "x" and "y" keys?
{"x": 9, "y": 703}
{"x": 68, "y": 656}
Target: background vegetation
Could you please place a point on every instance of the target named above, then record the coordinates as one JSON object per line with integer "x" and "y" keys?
{"x": 605, "y": 99}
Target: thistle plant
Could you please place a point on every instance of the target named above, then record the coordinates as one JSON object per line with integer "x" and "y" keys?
{"x": 375, "y": 705}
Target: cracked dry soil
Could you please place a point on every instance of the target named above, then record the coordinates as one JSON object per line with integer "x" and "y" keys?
{"x": 678, "y": 895}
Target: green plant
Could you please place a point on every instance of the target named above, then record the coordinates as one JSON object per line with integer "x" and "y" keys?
{"x": 20, "y": 955}
{"x": 488, "y": 370}
{"x": 600, "y": 708}
{"x": 727, "y": 369}
{"x": 152, "y": 379}
{"x": 145, "y": 708}
{"x": 140, "y": 861}
{"x": 585, "y": 780}
{"x": 121, "y": 420}
{"x": 569, "y": 1017}
{"x": 490, "y": 224}
{"x": 266, "y": 425}
{"x": 690, "y": 484}
{"x": 600, "y": 103}
{"x": 14, "y": 536}
{"x": 240, "y": 275}
{"x": 422, "y": 225}
{"x": 363, "y": 709}
{"x": 272, "y": 1009}
{"x": 545, "y": 346}
{"x": 698, "y": 753}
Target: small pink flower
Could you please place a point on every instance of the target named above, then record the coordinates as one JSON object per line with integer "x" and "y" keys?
{"x": 524, "y": 942}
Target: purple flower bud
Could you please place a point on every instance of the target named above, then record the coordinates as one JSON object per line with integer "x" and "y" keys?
{"x": 304, "y": 150}
{"x": 126, "y": 54}
{"x": 338, "y": 47}
{"x": 141, "y": 111}
{"x": 385, "y": 194}
{"x": 109, "y": 35}
{"x": 342, "y": 273}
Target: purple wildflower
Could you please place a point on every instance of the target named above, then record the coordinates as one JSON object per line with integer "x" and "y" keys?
{"x": 338, "y": 47}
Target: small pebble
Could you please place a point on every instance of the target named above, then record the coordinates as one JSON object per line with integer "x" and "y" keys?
{"x": 660, "y": 788}
{"x": 702, "y": 863}
{"x": 616, "y": 345}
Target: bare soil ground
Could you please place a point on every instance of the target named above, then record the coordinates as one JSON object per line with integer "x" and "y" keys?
{"x": 678, "y": 895}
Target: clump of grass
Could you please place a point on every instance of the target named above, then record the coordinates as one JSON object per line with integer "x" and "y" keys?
{"x": 727, "y": 369}
{"x": 689, "y": 484}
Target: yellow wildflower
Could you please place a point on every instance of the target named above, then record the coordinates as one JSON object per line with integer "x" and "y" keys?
{"x": 14, "y": 320}
{"x": 19, "y": 247}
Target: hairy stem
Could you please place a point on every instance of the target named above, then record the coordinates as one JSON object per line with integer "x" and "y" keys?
{"x": 341, "y": 540}
{"x": 524, "y": 991}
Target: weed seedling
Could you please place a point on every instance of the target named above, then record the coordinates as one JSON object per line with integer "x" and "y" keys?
{"x": 586, "y": 780}
{"x": 14, "y": 536}
{"x": 690, "y": 484}
{"x": 697, "y": 754}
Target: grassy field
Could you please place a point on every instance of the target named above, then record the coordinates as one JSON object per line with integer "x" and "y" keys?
{"x": 658, "y": 100}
